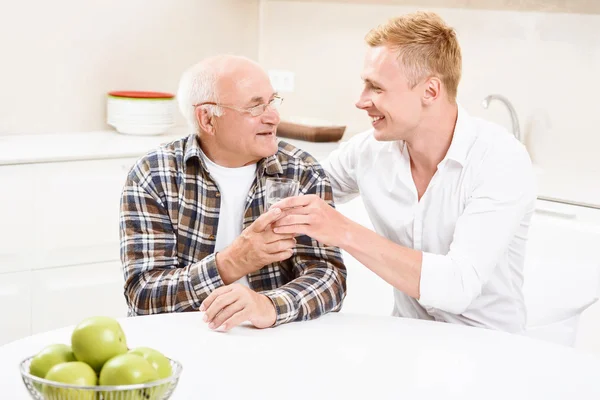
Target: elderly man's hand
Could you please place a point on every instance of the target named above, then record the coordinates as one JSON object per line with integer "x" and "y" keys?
{"x": 310, "y": 215}
{"x": 256, "y": 247}
{"x": 229, "y": 306}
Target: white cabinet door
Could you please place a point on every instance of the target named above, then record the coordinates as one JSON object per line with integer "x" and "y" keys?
{"x": 366, "y": 292}
{"x": 17, "y": 228}
{"x": 15, "y": 306}
{"x": 562, "y": 269}
{"x": 78, "y": 211}
{"x": 65, "y": 296}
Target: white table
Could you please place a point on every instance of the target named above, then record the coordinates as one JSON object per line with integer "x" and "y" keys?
{"x": 342, "y": 356}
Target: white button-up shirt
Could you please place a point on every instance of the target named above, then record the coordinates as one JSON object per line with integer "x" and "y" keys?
{"x": 471, "y": 223}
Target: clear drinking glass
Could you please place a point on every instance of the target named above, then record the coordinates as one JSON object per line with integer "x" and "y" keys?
{"x": 280, "y": 188}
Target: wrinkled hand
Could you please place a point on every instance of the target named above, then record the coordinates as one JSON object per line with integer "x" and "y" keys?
{"x": 229, "y": 306}
{"x": 310, "y": 215}
{"x": 256, "y": 247}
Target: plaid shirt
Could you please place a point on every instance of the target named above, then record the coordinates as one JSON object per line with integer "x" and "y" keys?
{"x": 168, "y": 224}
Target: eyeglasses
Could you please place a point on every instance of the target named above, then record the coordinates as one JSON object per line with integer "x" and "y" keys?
{"x": 254, "y": 111}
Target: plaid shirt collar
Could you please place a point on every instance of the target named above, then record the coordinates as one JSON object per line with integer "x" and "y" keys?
{"x": 269, "y": 165}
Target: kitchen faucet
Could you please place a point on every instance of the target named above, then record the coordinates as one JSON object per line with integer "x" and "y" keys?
{"x": 513, "y": 114}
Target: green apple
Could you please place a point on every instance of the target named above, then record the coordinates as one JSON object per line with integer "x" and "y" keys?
{"x": 96, "y": 340}
{"x": 160, "y": 363}
{"x": 127, "y": 369}
{"x": 75, "y": 373}
{"x": 49, "y": 357}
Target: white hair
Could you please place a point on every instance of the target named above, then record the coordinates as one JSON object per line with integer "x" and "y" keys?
{"x": 197, "y": 85}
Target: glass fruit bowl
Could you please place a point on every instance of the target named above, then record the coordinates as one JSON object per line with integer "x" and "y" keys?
{"x": 42, "y": 389}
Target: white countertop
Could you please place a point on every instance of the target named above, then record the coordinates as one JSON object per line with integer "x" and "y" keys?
{"x": 56, "y": 147}
{"x": 343, "y": 356}
{"x": 43, "y": 148}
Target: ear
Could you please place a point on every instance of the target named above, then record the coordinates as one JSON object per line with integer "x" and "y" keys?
{"x": 206, "y": 120}
{"x": 433, "y": 89}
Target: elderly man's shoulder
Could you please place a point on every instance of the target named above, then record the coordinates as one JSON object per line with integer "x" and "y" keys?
{"x": 168, "y": 157}
{"x": 290, "y": 156}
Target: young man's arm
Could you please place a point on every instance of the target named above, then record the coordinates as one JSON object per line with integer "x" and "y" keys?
{"x": 503, "y": 194}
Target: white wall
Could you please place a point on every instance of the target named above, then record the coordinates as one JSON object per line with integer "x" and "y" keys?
{"x": 59, "y": 58}
{"x": 545, "y": 63}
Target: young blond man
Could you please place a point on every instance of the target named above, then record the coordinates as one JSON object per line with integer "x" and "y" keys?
{"x": 450, "y": 196}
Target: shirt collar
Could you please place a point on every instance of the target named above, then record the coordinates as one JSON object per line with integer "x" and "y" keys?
{"x": 193, "y": 150}
{"x": 462, "y": 139}
{"x": 269, "y": 165}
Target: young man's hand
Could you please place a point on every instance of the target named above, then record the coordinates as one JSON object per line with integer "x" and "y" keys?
{"x": 256, "y": 247}
{"x": 312, "y": 216}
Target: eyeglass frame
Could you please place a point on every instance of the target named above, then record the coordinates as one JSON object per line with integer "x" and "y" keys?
{"x": 246, "y": 110}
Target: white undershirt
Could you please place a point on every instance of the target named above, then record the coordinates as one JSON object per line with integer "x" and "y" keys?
{"x": 234, "y": 185}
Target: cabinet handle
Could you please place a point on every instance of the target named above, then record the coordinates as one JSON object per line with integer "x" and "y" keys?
{"x": 556, "y": 213}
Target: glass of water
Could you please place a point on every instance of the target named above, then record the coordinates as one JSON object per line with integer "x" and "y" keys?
{"x": 280, "y": 188}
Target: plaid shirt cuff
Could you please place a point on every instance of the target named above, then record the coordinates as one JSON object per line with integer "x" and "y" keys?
{"x": 205, "y": 277}
{"x": 286, "y": 306}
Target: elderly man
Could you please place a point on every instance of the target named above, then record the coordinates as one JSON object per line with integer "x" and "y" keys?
{"x": 450, "y": 196}
{"x": 194, "y": 231}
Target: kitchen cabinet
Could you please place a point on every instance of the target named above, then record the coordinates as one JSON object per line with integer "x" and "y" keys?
{"x": 78, "y": 219}
{"x": 59, "y": 242}
{"x": 366, "y": 293}
{"x": 65, "y": 296}
{"x": 15, "y": 305}
{"x": 562, "y": 273}
{"x": 17, "y": 222}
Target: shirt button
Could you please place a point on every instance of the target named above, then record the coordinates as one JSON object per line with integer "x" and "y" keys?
{"x": 217, "y": 194}
{"x": 212, "y": 237}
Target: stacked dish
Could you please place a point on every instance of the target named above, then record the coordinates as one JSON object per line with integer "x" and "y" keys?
{"x": 140, "y": 113}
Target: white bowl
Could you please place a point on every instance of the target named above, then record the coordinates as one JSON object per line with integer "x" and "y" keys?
{"x": 140, "y": 116}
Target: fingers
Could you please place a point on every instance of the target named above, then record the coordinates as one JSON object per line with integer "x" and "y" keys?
{"x": 293, "y": 220}
{"x": 234, "y": 320}
{"x": 280, "y": 246}
{"x": 266, "y": 219}
{"x": 271, "y": 237}
{"x": 226, "y": 313}
{"x": 296, "y": 201}
{"x": 305, "y": 210}
{"x": 211, "y": 297}
{"x": 294, "y": 229}
{"x": 283, "y": 255}
{"x": 218, "y": 304}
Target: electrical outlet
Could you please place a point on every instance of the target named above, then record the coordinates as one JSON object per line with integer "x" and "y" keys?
{"x": 282, "y": 81}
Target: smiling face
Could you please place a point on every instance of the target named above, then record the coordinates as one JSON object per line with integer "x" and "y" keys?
{"x": 394, "y": 106}
{"x": 236, "y": 138}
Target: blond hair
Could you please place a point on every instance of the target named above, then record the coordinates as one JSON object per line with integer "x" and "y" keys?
{"x": 426, "y": 47}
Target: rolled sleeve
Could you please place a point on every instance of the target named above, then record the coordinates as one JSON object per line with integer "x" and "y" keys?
{"x": 205, "y": 277}
{"x": 447, "y": 284}
{"x": 286, "y": 306}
